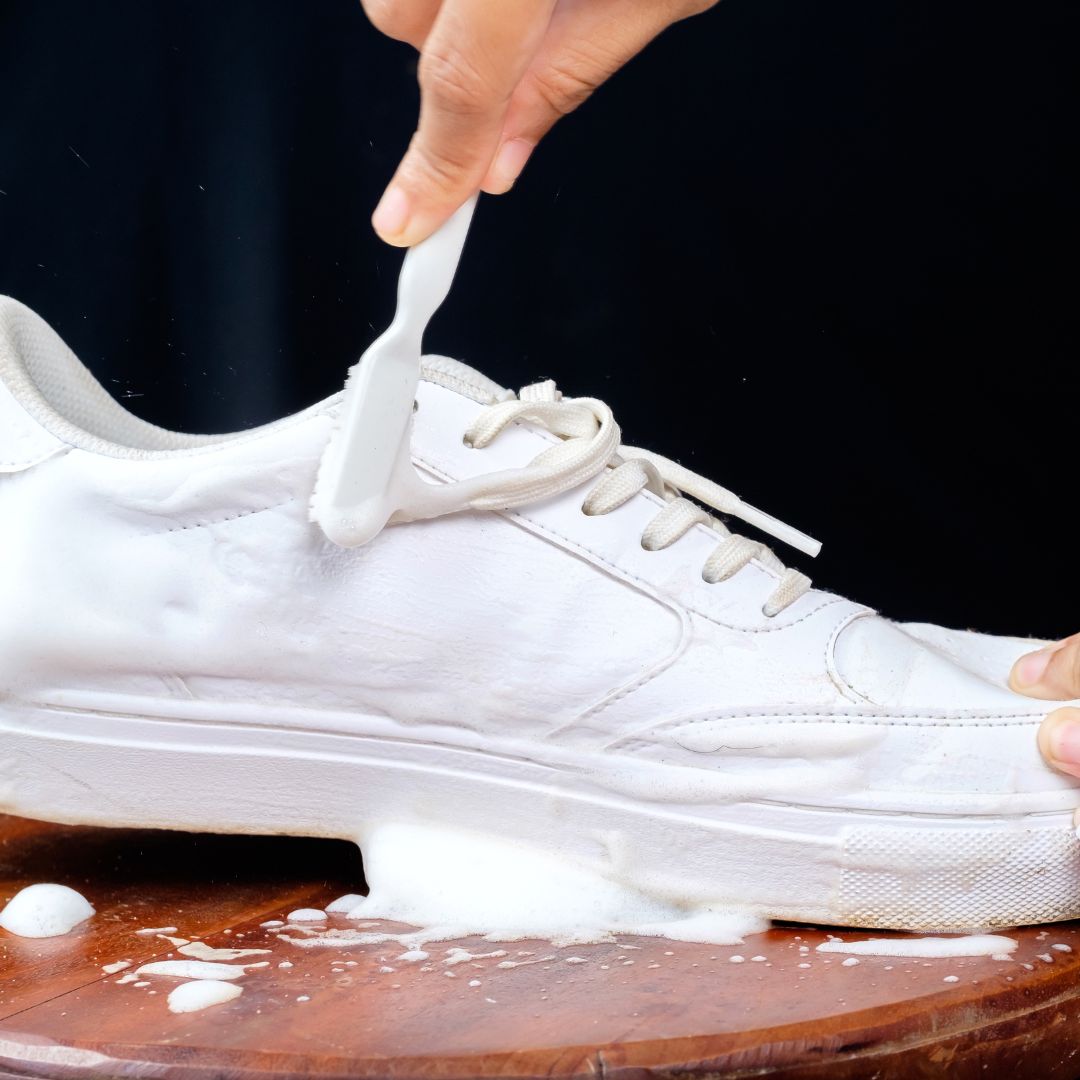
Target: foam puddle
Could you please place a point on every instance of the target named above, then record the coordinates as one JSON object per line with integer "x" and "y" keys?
{"x": 41, "y": 911}
{"x": 454, "y": 884}
{"x": 344, "y": 904}
{"x": 193, "y": 969}
{"x": 307, "y": 915}
{"x": 463, "y": 956}
{"x": 930, "y": 948}
{"x": 198, "y": 951}
{"x": 450, "y": 885}
{"x": 545, "y": 901}
{"x": 196, "y": 996}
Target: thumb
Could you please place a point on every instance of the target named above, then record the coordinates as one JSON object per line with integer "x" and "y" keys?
{"x": 1059, "y": 740}
{"x": 1052, "y": 674}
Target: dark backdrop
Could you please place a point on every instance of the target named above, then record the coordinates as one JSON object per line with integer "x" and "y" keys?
{"x": 821, "y": 251}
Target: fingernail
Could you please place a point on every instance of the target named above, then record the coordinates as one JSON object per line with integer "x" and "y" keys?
{"x": 508, "y": 163}
{"x": 392, "y": 214}
{"x": 1063, "y": 738}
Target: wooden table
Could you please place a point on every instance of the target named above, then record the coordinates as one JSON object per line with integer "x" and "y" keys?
{"x": 641, "y": 1007}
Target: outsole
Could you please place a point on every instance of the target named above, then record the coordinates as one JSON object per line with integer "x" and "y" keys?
{"x": 930, "y": 872}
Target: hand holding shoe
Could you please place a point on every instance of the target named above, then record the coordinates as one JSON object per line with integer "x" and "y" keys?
{"x": 1053, "y": 674}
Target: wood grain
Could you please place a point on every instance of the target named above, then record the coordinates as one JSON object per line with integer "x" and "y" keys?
{"x": 639, "y": 1007}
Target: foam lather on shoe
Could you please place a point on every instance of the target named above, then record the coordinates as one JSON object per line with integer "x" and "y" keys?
{"x": 454, "y": 884}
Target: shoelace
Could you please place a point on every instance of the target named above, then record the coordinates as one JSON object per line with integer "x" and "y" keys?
{"x": 366, "y": 479}
{"x": 590, "y": 448}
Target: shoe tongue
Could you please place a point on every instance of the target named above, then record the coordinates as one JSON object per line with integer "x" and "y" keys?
{"x": 462, "y": 379}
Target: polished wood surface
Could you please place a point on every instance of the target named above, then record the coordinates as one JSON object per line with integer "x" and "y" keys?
{"x": 639, "y": 1007}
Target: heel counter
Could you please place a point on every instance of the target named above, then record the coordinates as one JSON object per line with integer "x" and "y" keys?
{"x": 23, "y": 441}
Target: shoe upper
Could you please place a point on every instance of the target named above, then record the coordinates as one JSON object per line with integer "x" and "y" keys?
{"x": 142, "y": 568}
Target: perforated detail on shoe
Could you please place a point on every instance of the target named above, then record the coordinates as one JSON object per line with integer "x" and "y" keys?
{"x": 958, "y": 879}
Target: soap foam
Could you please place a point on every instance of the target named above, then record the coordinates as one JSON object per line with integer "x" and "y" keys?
{"x": 453, "y": 884}
{"x": 926, "y": 947}
{"x": 196, "y": 996}
{"x": 304, "y": 915}
{"x": 192, "y": 969}
{"x": 344, "y": 904}
{"x": 41, "y": 911}
{"x": 197, "y": 950}
{"x": 463, "y": 956}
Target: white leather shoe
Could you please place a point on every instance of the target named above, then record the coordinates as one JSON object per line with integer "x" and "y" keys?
{"x": 590, "y": 669}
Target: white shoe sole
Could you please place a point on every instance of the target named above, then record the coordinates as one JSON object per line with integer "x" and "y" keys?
{"x": 930, "y": 871}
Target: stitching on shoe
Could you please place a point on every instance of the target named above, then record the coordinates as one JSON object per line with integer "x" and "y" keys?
{"x": 25, "y": 464}
{"x": 685, "y": 639}
{"x": 849, "y": 684}
{"x": 681, "y": 611}
{"x": 629, "y": 575}
{"x": 546, "y": 438}
{"x": 321, "y": 410}
{"x": 231, "y": 517}
{"x": 848, "y": 689}
{"x": 878, "y": 719}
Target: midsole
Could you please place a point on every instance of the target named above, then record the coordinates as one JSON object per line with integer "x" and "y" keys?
{"x": 700, "y": 791}
{"x": 682, "y": 835}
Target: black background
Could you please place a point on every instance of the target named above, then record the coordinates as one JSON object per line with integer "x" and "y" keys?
{"x": 821, "y": 252}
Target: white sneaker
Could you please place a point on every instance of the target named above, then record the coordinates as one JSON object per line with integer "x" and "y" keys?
{"x": 601, "y": 675}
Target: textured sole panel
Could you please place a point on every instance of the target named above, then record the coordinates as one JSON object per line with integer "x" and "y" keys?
{"x": 942, "y": 878}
